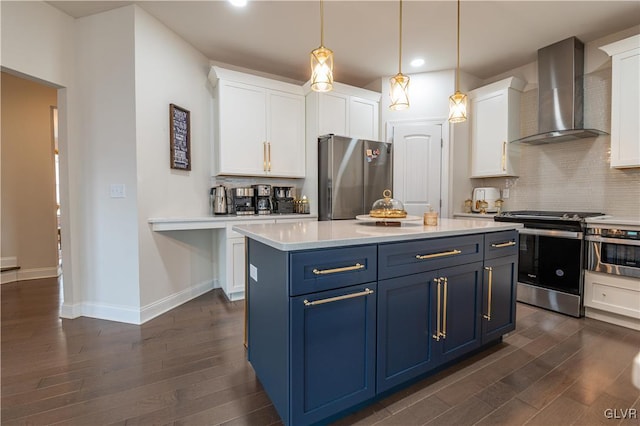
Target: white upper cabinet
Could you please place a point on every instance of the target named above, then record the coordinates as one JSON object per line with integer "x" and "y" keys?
{"x": 344, "y": 111}
{"x": 495, "y": 121}
{"x": 259, "y": 126}
{"x": 625, "y": 101}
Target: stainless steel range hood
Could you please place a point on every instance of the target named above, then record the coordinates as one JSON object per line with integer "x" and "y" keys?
{"x": 561, "y": 94}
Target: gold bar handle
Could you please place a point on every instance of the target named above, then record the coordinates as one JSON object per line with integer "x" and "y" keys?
{"x": 264, "y": 156}
{"x": 490, "y": 270}
{"x": 366, "y": 292}
{"x": 269, "y": 156}
{"x": 444, "y": 308}
{"x": 505, "y": 244}
{"x": 437, "y": 335}
{"x": 434, "y": 255}
{"x": 504, "y": 156}
{"x": 336, "y": 270}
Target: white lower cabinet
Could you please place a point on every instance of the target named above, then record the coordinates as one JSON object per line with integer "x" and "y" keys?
{"x": 612, "y": 298}
{"x": 231, "y": 255}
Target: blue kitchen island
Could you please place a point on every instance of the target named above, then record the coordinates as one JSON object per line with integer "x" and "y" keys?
{"x": 342, "y": 312}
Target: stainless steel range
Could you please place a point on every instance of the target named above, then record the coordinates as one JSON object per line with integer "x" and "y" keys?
{"x": 551, "y": 258}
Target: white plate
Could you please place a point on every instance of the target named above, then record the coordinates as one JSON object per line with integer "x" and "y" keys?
{"x": 367, "y": 218}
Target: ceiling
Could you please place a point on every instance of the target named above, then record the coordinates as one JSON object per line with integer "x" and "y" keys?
{"x": 276, "y": 37}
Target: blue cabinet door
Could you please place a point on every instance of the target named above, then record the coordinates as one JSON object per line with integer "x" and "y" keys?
{"x": 499, "y": 297}
{"x": 406, "y": 328}
{"x": 333, "y": 335}
{"x": 460, "y": 306}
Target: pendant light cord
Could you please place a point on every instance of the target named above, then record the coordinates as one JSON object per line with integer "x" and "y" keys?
{"x": 458, "y": 49}
{"x": 400, "y": 38}
{"x": 321, "y": 23}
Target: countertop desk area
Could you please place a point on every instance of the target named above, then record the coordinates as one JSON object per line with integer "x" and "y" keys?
{"x": 341, "y": 313}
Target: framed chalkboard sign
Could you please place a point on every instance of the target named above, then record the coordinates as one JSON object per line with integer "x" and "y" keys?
{"x": 180, "y": 137}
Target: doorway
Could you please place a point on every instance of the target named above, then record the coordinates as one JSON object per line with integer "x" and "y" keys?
{"x": 29, "y": 225}
{"x": 418, "y": 167}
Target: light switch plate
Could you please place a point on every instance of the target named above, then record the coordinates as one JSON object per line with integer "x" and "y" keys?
{"x": 117, "y": 190}
{"x": 505, "y": 193}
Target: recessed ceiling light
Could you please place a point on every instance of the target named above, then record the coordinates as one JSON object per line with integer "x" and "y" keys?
{"x": 418, "y": 62}
{"x": 238, "y": 3}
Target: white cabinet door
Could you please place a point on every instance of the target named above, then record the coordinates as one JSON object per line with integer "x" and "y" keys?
{"x": 234, "y": 284}
{"x": 286, "y": 145}
{"x": 243, "y": 129}
{"x": 625, "y": 102}
{"x": 259, "y": 126}
{"x": 495, "y": 121}
{"x": 363, "y": 118}
{"x": 333, "y": 114}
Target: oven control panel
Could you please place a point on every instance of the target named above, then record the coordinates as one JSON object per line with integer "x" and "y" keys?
{"x": 623, "y": 234}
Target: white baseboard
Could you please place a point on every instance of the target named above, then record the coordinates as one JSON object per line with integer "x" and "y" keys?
{"x": 9, "y": 277}
{"x": 159, "y": 307}
{"x": 30, "y": 274}
{"x": 8, "y": 262}
{"x": 612, "y": 318}
{"x": 132, "y": 315}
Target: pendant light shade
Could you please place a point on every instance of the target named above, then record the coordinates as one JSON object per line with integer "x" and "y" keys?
{"x": 458, "y": 101}
{"x": 457, "y": 107}
{"x": 322, "y": 62}
{"x": 399, "y": 91}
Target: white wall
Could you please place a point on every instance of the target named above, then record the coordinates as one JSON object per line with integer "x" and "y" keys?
{"x": 176, "y": 265}
{"x": 103, "y": 111}
{"x": 37, "y": 40}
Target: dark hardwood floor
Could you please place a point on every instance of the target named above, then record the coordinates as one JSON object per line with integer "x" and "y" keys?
{"x": 189, "y": 367}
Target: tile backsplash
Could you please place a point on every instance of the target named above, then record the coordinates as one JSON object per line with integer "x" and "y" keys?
{"x": 575, "y": 175}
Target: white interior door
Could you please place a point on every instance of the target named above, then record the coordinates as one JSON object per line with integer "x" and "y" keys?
{"x": 417, "y": 166}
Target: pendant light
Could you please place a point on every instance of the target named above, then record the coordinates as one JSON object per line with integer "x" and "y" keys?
{"x": 322, "y": 62}
{"x": 458, "y": 101}
{"x": 399, "y": 83}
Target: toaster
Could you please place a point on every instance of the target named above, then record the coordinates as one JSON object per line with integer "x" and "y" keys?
{"x": 490, "y": 195}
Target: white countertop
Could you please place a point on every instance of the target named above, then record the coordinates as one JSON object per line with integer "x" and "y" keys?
{"x": 613, "y": 220}
{"x": 216, "y": 222}
{"x": 338, "y": 233}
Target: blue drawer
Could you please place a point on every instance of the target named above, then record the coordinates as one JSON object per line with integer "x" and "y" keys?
{"x": 319, "y": 270}
{"x": 500, "y": 244}
{"x": 398, "y": 259}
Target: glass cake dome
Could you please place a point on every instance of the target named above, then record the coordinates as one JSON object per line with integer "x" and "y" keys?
{"x": 387, "y": 207}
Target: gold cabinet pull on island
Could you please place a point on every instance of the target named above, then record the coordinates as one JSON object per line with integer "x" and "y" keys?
{"x": 441, "y": 254}
{"x": 365, "y": 292}
{"x": 505, "y": 244}
{"x": 336, "y": 270}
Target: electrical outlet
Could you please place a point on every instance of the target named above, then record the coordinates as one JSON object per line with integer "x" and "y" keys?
{"x": 505, "y": 193}
{"x": 117, "y": 190}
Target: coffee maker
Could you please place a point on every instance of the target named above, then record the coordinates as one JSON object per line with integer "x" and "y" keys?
{"x": 243, "y": 201}
{"x": 262, "y": 199}
{"x": 283, "y": 197}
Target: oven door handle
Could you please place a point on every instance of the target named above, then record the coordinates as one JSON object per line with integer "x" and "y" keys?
{"x": 619, "y": 241}
{"x": 552, "y": 233}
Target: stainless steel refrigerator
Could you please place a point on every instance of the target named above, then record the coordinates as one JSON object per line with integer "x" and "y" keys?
{"x": 352, "y": 174}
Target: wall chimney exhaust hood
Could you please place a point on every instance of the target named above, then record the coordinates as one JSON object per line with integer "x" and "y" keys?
{"x": 561, "y": 94}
